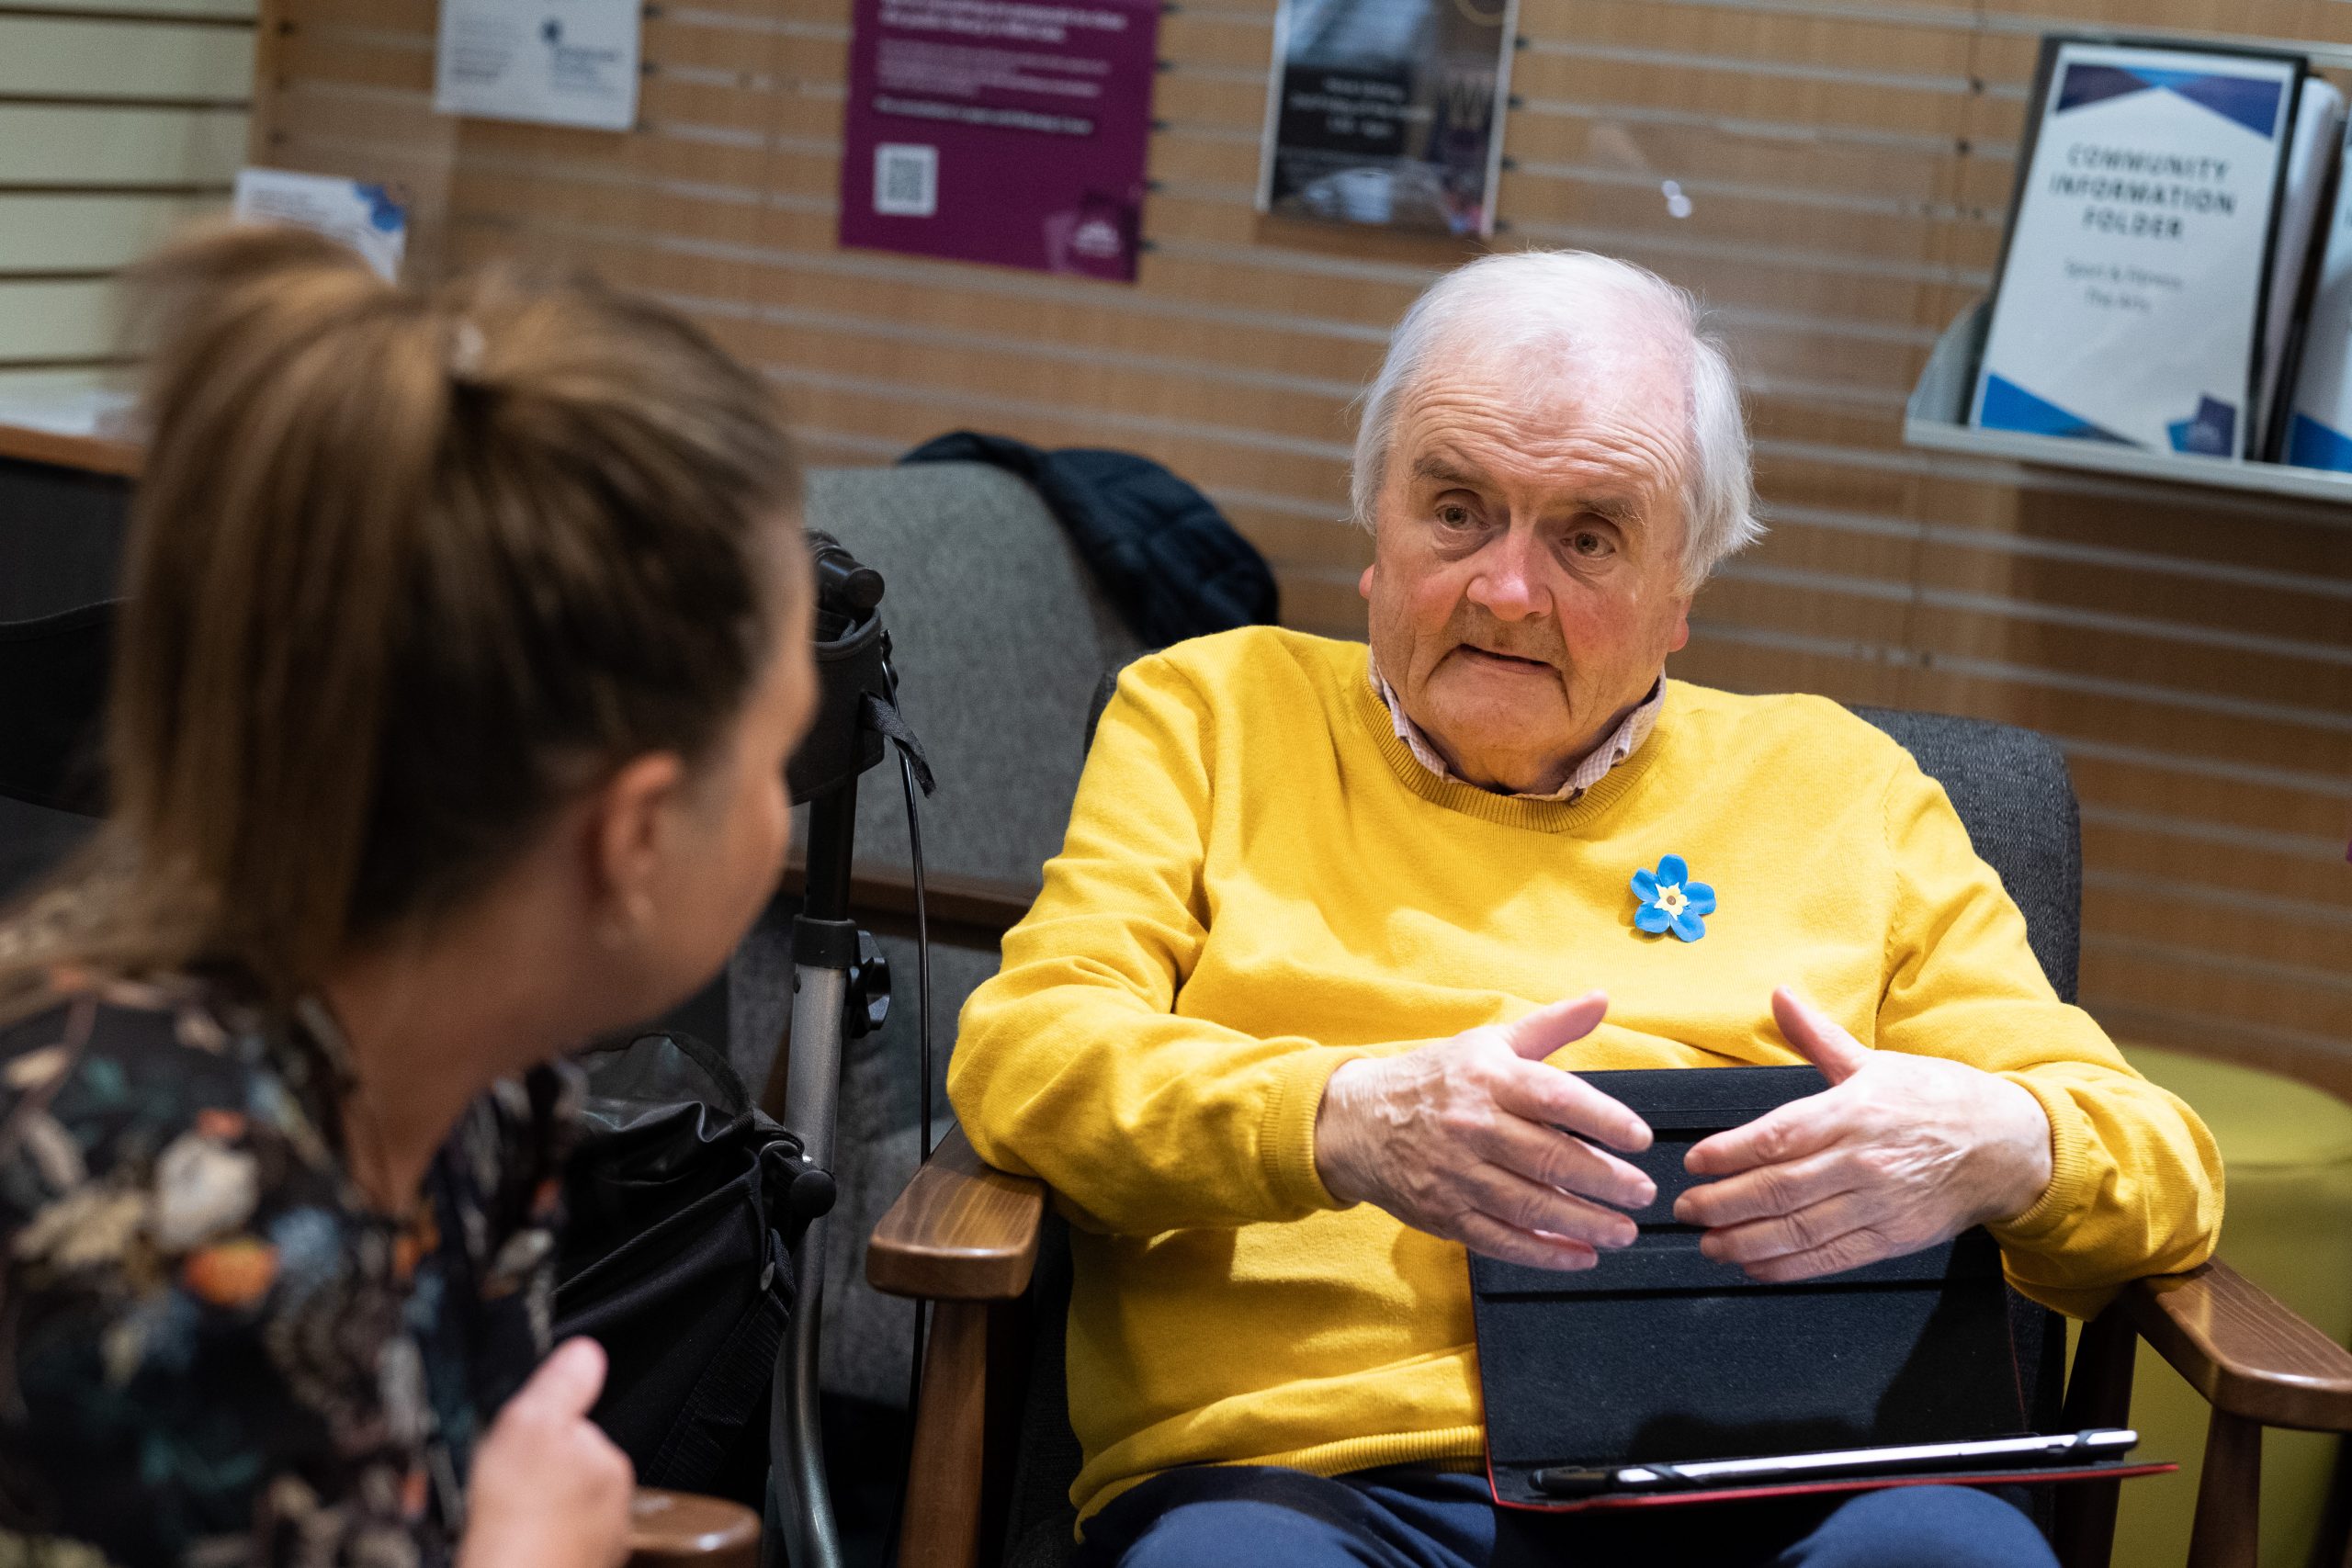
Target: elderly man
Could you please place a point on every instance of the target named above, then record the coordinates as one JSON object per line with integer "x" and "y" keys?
{"x": 1298, "y": 1015}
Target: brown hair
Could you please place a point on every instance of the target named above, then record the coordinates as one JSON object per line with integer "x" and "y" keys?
{"x": 408, "y": 570}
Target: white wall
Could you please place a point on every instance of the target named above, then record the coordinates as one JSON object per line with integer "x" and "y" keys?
{"x": 115, "y": 125}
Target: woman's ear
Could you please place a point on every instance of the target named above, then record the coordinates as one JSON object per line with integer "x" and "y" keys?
{"x": 630, "y": 823}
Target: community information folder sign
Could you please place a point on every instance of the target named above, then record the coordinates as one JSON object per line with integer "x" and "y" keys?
{"x": 2132, "y": 291}
{"x": 1012, "y": 131}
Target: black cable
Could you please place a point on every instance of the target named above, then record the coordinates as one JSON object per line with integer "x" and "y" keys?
{"x": 923, "y": 1131}
{"x": 922, "y": 954}
{"x": 922, "y": 1045}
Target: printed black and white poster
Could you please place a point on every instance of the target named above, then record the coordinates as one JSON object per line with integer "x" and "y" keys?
{"x": 1389, "y": 112}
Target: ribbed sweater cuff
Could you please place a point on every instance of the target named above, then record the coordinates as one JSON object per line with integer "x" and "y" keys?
{"x": 1286, "y": 1138}
{"x": 2071, "y": 1177}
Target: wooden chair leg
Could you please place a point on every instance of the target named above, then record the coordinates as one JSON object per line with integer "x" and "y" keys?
{"x": 942, "y": 1525}
{"x": 2228, "y": 1496}
{"x": 2333, "y": 1548}
{"x": 2098, "y": 1394}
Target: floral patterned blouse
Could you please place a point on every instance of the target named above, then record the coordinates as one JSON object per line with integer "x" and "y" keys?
{"x": 213, "y": 1352}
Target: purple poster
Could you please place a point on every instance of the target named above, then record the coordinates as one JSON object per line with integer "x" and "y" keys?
{"x": 1000, "y": 131}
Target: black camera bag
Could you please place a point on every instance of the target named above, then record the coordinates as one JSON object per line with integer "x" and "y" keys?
{"x": 676, "y": 1257}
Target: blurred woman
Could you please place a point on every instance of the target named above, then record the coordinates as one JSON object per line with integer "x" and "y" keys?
{"x": 466, "y": 637}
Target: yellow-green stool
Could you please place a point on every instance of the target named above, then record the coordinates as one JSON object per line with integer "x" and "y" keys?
{"x": 2288, "y": 1228}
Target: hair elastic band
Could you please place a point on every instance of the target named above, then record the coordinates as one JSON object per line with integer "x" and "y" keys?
{"x": 466, "y": 347}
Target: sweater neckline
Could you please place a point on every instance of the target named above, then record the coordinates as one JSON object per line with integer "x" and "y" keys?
{"x": 1508, "y": 810}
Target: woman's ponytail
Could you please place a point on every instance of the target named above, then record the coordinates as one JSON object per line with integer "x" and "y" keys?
{"x": 407, "y": 569}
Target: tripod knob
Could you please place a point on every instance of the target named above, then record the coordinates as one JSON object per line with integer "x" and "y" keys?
{"x": 868, "y": 1002}
{"x": 811, "y": 1193}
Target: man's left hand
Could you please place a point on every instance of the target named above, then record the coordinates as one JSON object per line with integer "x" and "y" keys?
{"x": 1902, "y": 1152}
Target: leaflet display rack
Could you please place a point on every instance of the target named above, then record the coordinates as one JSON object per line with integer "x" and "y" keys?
{"x": 1937, "y": 417}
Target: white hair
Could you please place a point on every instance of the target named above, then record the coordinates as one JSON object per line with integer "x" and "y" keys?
{"x": 1523, "y": 299}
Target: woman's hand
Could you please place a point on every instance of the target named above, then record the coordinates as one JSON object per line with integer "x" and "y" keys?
{"x": 550, "y": 1489}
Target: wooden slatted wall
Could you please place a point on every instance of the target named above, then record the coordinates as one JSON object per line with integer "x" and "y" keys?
{"x": 118, "y": 118}
{"x": 1848, "y": 162}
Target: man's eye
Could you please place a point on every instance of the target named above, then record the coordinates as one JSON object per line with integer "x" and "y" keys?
{"x": 1590, "y": 544}
{"x": 1453, "y": 515}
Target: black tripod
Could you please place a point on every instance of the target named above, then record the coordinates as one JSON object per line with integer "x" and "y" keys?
{"x": 840, "y": 987}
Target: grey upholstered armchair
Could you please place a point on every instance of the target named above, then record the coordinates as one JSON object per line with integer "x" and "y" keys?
{"x": 994, "y": 1454}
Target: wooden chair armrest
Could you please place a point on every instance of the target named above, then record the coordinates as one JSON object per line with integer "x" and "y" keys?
{"x": 91, "y": 454}
{"x": 684, "y": 1529}
{"x": 2245, "y": 1351}
{"x": 964, "y": 912}
{"x": 961, "y": 1231}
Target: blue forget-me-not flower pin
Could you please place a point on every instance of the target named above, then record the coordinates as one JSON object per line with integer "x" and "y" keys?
{"x": 1671, "y": 901}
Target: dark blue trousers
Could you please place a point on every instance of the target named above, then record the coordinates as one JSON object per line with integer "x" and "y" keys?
{"x": 1207, "y": 1517}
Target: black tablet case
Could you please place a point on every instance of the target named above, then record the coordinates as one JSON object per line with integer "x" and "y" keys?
{"x": 1659, "y": 1355}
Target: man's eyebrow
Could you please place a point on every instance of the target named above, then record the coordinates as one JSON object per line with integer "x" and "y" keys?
{"x": 1625, "y": 511}
{"x": 1445, "y": 470}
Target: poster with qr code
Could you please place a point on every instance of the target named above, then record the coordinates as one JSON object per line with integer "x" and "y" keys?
{"x": 1006, "y": 132}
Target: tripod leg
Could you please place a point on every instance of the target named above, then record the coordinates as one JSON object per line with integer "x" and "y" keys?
{"x": 796, "y": 1436}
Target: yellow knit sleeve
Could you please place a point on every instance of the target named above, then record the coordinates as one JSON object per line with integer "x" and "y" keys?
{"x": 1072, "y": 1062}
{"x": 2136, "y": 1178}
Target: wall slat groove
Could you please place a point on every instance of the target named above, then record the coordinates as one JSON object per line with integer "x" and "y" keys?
{"x": 1694, "y": 186}
{"x": 934, "y": 337}
{"x": 2328, "y": 786}
{"x": 999, "y": 408}
{"x": 2118, "y": 557}
{"x": 2020, "y": 609}
{"x": 2292, "y": 716}
{"x": 1626, "y": 54}
{"x": 9, "y": 98}
{"x": 241, "y": 22}
{"x": 2241, "y": 903}
{"x": 1992, "y": 21}
{"x": 2304, "y": 846}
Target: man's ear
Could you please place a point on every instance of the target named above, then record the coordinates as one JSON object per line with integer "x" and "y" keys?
{"x": 1364, "y": 583}
{"x": 1681, "y": 636}
{"x": 627, "y": 832}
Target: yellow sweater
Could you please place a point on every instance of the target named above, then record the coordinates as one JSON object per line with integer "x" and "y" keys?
{"x": 1261, "y": 883}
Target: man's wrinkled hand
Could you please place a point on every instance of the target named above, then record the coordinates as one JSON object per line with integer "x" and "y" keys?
{"x": 1902, "y": 1152}
{"x": 1465, "y": 1140}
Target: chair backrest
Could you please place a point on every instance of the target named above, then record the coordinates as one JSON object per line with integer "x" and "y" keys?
{"x": 997, "y": 631}
{"x": 2012, "y": 790}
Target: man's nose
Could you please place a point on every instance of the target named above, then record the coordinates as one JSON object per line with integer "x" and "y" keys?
{"x": 1506, "y": 581}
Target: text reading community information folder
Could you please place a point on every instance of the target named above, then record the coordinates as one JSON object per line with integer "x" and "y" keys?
{"x": 2130, "y": 296}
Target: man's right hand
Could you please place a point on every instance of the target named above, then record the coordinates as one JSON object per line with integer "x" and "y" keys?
{"x": 1463, "y": 1139}
{"x": 550, "y": 1489}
